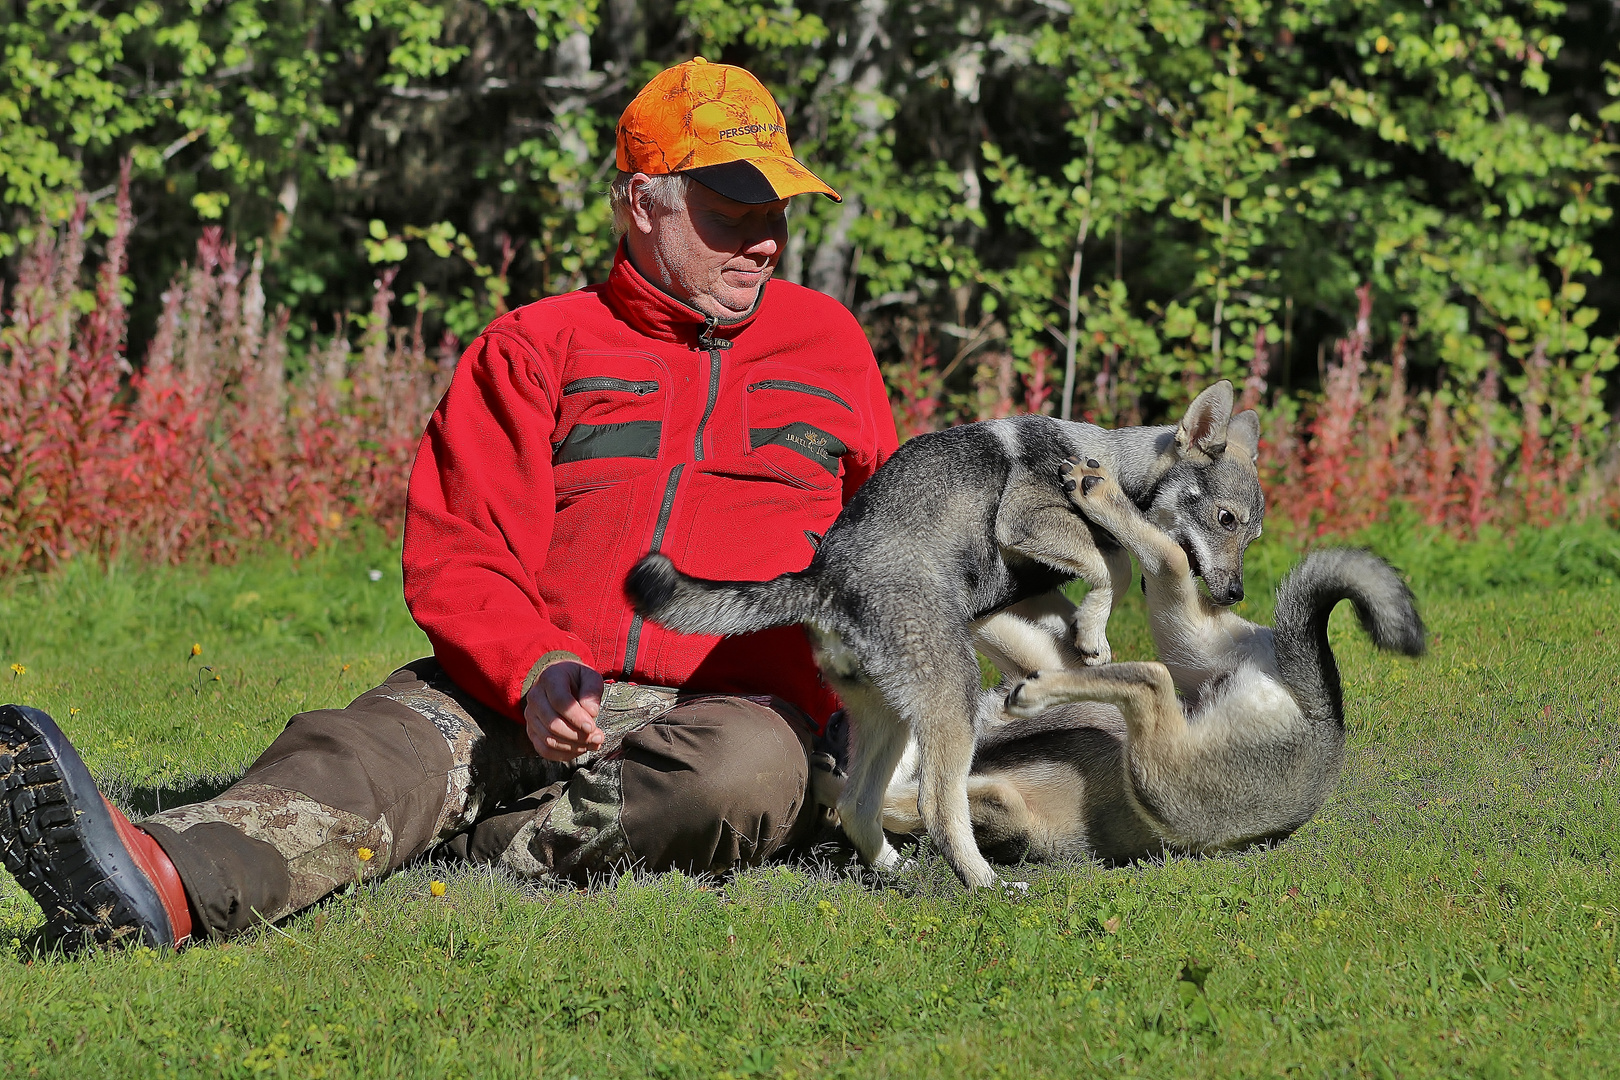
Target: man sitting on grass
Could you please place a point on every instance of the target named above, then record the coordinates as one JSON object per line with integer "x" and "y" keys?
{"x": 687, "y": 405}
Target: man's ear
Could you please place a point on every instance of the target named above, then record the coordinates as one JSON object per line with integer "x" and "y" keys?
{"x": 1243, "y": 434}
{"x": 642, "y": 210}
{"x": 1205, "y": 424}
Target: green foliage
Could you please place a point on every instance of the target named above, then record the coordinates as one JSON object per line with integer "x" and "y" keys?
{"x": 1570, "y": 556}
{"x": 1206, "y": 171}
{"x": 1272, "y": 153}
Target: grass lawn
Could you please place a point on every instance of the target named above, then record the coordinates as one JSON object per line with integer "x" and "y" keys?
{"x": 1451, "y": 912}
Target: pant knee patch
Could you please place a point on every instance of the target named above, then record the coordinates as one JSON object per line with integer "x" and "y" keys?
{"x": 712, "y": 787}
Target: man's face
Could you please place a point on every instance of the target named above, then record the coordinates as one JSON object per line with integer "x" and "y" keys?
{"x": 713, "y": 252}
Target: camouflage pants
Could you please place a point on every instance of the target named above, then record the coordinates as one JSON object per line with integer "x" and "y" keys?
{"x": 701, "y": 784}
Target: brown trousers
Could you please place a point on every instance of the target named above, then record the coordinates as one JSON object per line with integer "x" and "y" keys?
{"x": 702, "y": 784}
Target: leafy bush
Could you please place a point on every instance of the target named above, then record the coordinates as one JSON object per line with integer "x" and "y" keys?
{"x": 1157, "y": 189}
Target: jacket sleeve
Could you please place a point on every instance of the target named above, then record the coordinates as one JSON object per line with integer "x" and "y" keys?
{"x": 478, "y": 523}
{"x": 878, "y": 423}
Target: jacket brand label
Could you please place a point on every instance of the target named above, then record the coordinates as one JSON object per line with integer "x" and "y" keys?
{"x": 802, "y": 438}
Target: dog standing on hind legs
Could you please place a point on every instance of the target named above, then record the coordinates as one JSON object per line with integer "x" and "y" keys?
{"x": 1254, "y": 747}
{"x": 958, "y": 525}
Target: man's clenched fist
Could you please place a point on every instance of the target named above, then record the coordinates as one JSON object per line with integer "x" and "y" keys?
{"x": 559, "y": 711}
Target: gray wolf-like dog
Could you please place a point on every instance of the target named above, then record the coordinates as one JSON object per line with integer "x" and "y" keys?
{"x": 1122, "y": 769}
{"x": 956, "y": 526}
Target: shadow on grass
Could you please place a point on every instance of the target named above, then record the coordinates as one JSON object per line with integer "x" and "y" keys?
{"x": 145, "y": 800}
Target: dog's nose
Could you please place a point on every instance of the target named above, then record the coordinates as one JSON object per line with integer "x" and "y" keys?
{"x": 1231, "y": 594}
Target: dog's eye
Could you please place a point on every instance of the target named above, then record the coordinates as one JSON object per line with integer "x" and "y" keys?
{"x": 1227, "y": 519}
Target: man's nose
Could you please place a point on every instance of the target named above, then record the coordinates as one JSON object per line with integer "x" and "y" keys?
{"x": 765, "y": 247}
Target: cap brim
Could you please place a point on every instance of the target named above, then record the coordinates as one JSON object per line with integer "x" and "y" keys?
{"x": 761, "y": 180}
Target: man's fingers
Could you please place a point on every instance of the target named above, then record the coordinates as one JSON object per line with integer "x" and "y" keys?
{"x": 561, "y": 711}
{"x": 559, "y": 747}
{"x": 579, "y": 716}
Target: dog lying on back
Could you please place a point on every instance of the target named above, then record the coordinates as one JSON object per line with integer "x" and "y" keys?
{"x": 1108, "y": 763}
{"x": 956, "y": 526}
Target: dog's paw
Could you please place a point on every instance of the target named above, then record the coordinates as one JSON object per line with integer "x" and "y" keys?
{"x": 1094, "y": 651}
{"x": 888, "y": 860}
{"x": 1028, "y": 697}
{"x": 1091, "y": 487}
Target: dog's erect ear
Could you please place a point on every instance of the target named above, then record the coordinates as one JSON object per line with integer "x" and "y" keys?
{"x": 1243, "y": 434}
{"x": 1204, "y": 426}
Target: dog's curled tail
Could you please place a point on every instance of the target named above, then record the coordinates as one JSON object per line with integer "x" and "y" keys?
{"x": 1305, "y": 599}
{"x": 694, "y": 605}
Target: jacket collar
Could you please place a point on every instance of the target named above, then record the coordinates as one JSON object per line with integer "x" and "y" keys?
{"x": 653, "y": 312}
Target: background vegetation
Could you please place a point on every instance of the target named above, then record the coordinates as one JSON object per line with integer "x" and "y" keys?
{"x": 1391, "y": 219}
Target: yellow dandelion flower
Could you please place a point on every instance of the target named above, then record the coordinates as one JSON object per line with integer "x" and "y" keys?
{"x": 18, "y": 669}
{"x": 196, "y": 648}
{"x": 365, "y": 854}
{"x": 437, "y": 888}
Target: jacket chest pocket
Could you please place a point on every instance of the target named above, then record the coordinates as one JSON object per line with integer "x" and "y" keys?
{"x": 610, "y": 426}
{"x": 797, "y": 429}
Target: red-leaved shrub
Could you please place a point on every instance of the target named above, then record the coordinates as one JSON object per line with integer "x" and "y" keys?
{"x": 208, "y": 448}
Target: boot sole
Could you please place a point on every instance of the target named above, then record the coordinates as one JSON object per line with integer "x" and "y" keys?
{"x": 58, "y": 840}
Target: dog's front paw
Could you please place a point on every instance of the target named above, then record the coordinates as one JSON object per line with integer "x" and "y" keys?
{"x": 1087, "y": 481}
{"x": 1091, "y": 487}
{"x": 1094, "y": 649}
{"x": 1028, "y": 698}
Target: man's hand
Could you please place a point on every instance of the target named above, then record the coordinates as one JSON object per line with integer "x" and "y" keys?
{"x": 559, "y": 711}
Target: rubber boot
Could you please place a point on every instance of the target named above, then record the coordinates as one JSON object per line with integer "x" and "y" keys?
{"x": 97, "y": 877}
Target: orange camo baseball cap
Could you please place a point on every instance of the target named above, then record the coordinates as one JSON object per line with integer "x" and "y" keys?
{"x": 717, "y": 124}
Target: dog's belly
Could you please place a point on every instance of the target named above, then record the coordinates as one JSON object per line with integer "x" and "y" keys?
{"x": 1020, "y": 578}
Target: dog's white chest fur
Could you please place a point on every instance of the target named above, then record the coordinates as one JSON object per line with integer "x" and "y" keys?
{"x": 832, "y": 655}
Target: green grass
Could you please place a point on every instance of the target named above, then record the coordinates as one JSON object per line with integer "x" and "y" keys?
{"x": 1451, "y": 912}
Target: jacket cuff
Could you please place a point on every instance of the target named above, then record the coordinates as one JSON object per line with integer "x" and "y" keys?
{"x": 552, "y": 657}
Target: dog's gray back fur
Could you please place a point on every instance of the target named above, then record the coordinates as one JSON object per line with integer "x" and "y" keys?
{"x": 923, "y": 531}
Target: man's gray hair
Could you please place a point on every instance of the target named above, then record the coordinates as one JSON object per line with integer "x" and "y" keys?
{"x": 667, "y": 192}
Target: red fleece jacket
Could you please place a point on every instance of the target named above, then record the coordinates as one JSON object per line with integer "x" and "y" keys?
{"x": 582, "y": 431}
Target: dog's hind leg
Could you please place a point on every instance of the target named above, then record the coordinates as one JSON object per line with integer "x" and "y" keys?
{"x": 1018, "y": 646}
{"x": 945, "y": 738}
{"x": 878, "y": 737}
{"x": 1142, "y": 691}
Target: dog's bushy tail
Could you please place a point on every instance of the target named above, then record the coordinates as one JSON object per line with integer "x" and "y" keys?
{"x": 694, "y": 605}
{"x": 1305, "y": 599}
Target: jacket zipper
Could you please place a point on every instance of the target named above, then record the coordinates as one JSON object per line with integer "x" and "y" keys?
{"x": 798, "y": 387}
{"x": 606, "y": 382}
{"x": 715, "y": 346}
{"x": 634, "y": 640}
{"x": 707, "y": 340}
